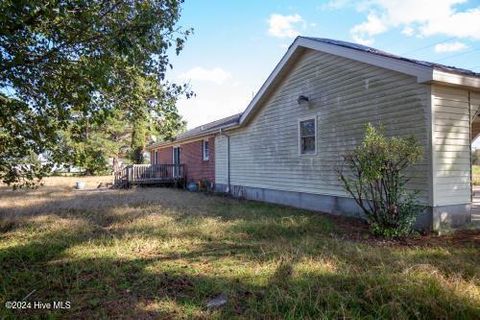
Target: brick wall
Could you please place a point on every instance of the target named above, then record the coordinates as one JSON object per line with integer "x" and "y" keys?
{"x": 191, "y": 155}
{"x": 165, "y": 155}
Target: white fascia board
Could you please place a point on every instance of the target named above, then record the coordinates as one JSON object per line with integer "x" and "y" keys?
{"x": 200, "y": 136}
{"x": 269, "y": 81}
{"x": 177, "y": 142}
{"x": 456, "y": 79}
{"x": 423, "y": 73}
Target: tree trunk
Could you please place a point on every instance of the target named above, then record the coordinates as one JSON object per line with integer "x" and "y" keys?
{"x": 138, "y": 140}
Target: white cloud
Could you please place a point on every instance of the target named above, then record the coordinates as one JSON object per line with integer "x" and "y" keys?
{"x": 363, "y": 33}
{"x": 335, "y": 4}
{"x": 216, "y": 75}
{"x": 450, "y": 47}
{"x": 408, "y": 31}
{"x": 281, "y": 26}
{"x": 211, "y": 104}
{"x": 422, "y": 18}
{"x": 361, "y": 40}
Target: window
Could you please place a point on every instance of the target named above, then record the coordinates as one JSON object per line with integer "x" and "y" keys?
{"x": 307, "y": 131}
{"x": 205, "y": 150}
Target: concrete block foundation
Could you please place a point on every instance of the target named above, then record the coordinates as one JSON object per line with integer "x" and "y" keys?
{"x": 433, "y": 218}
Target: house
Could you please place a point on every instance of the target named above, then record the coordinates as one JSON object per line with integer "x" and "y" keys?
{"x": 194, "y": 148}
{"x": 313, "y": 107}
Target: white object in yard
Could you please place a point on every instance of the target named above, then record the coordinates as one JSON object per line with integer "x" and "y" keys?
{"x": 80, "y": 184}
{"x": 218, "y": 301}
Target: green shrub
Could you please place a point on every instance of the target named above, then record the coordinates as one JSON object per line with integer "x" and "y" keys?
{"x": 375, "y": 177}
{"x": 476, "y": 175}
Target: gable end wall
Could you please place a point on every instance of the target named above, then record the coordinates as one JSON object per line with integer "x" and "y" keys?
{"x": 344, "y": 95}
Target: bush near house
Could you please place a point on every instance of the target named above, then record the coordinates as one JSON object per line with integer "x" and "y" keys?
{"x": 375, "y": 177}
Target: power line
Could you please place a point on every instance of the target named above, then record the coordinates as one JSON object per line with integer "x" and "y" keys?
{"x": 459, "y": 54}
{"x": 427, "y": 46}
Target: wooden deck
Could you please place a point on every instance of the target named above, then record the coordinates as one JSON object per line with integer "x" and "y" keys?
{"x": 145, "y": 174}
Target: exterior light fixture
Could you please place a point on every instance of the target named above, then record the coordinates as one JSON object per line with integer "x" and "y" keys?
{"x": 303, "y": 100}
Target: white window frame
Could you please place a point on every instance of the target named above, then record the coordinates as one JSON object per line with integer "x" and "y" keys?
{"x": 205, "y": 156}
{"x": 299, "y": 135}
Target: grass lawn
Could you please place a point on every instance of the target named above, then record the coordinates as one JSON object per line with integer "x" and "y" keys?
{"x": 164, "y": 253}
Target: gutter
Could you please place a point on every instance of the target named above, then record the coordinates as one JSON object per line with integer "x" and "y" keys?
{"x": 192, "y": 138}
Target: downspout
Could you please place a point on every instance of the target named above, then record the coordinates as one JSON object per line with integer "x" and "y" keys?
{"x": 228, "y": 158}
{"x": 470, "y": 128}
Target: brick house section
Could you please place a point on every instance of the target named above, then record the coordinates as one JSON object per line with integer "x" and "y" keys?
{"x": 165, "y": 155}
{"x": 191, "y": 154}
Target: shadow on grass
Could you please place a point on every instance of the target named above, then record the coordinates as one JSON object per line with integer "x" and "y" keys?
{"x": 247, "y": 237}
{"x": 168, "y": 285}
{"x": 126, "y": 288}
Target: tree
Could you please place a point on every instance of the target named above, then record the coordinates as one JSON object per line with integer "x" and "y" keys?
{"x": 68, "y": 57}
{"x": 476, "y": 157}
{"x": 91, "y": 145}
{"x": 376, "y": 179}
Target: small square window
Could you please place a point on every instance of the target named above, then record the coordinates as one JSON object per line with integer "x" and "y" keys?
{"x": 205, "y": 150}
{"x": 307, "y": 136}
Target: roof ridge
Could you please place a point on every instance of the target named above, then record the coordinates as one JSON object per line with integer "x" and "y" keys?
{"x": 364, "y": 48}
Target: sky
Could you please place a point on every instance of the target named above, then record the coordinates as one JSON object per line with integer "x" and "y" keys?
{"x": 237, "y": 43}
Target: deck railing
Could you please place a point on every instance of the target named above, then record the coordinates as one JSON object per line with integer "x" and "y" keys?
{"x": 149, "y": 173}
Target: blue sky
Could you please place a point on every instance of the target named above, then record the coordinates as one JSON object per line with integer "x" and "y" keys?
{"x": 236, "y": 44}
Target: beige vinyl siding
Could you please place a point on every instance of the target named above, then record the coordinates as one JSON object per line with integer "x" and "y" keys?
{"x": 451, "y": 141}
{"x": 221, "y": 165}
{"x": 344, "y": 96}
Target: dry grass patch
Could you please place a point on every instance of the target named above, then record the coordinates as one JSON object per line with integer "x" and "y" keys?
{"x": 163, "y": 253}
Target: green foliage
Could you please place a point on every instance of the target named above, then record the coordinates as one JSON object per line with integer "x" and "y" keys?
{"x": 377, "y": 181}
{"x": 59, "y": 59}
{"x": 476, "y": 157}
{"x": 89, "y": 145}
{"x": 139, "y": 136}
{"x": 20, "y": 130}
{"x": 476, "y": 175}
{"x": 154, "y": 113}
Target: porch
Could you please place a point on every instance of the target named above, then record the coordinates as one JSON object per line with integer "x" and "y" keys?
{"x": 148, "y": 174}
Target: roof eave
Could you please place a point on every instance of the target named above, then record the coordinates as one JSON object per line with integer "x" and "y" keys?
{"x": 194, "y": 137}
{"x": 423, "y": 73}
{"x": 455, "y": 79}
